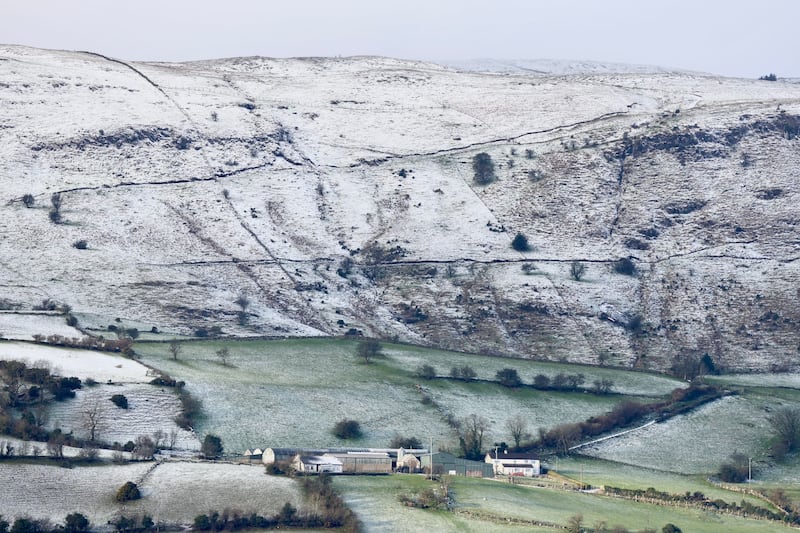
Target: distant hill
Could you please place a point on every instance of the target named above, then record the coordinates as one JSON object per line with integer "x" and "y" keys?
{"x": 319, "y": 196}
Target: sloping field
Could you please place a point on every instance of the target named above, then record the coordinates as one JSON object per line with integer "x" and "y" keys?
{"x": 697, "y": 442}
{"x": 150, "y": 409}
{"x": 100, "y": 366}
{"x": 173, "y": 492}
{"x": 290, "y": 393}
{"x": 484, "y": 505}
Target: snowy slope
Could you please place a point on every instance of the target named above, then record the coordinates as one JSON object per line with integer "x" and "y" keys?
{"x": 196, "y": 183}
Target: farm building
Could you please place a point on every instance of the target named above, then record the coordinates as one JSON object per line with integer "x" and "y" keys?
{"x": 286, "y": 455}
{"x": 317, "y": 464}
{"x": 446, "y": 463}
{"x": 406, "y": 462}
{"x": 514, "y": 464}
{"x": 364, "y": 462}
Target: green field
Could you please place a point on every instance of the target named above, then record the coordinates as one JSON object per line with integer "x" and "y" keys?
{"x": 290, "y": 393}
{"x": 483, "y": 505}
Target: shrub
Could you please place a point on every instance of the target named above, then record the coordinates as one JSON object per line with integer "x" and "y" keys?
{"x": 76, "y": 523}
{"x": 409, "y": 443}
{"x": 347, "y": 429}
{"x": 425, "y": 372}
{"x": 508, "y": 377}
{"x": 28, "y": 200}
{"x": 520, "y": 243}
{"x": 128, "y": 492}
{"x": 465, "y": 372}
{"x": 81, "y": 244}
{"x": 120, "y": 401}
{"x": 483, "y": 166}
{"x": 369, "y": 349}
{"x": 55, "y": 216}
{"x": 625, "y": 266}
{"x": 769, "y": 77}
{"x": 212, "y": 447}
{"x": 577, "y": 270}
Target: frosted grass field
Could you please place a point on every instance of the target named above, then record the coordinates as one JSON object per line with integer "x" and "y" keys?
{"x": 100, "y": 366}
{"x": 501, "y": 499}
{"x": 150, "y": 409}
{"x": 375, "y": 501}
{"x": 697, "y": 442}
{"x": 173, "y": 492}
{"x": 54, "y": 492}
{"x": 290, "y": 393}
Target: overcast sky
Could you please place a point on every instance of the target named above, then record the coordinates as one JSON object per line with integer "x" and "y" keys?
{"x": 734, "y": 37}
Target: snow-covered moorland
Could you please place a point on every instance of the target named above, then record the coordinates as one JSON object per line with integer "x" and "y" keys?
{"x": 185, "y": 186}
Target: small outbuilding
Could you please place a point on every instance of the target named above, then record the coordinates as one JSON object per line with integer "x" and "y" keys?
{"x": 446, "y": 463}
{"x": 317, "y": 464}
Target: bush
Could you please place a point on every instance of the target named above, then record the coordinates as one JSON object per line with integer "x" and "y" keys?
{"x": 483, "y": 166}
{"x": 520, "y": 243}
{"x": 736, "y": 470}
{"x": 465, "y": 372}
{"x": 55, "y": 216}
{"x": 625, "y": 266}
{"x": 76, "y": 523}
{"x": 577, "y": 270}
{"x": 81, "y": 244}
{"x": 425, "y": 372}
{"x": 120, "y": 401}
{"x": 769, "y": 77}
{"x": 212, "y": 447}
{"x": 508, "y": 377}
{"x": 347, "y": 429}
{"x": 409, "y": 443}
{"x": 128, "y": 492}
{"x": 28, "y": 200}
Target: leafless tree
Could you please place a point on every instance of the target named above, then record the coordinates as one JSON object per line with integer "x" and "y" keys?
{"x": 577, "y": 270}
{"x": 144, "y": 447}
{"x": 173, "y": 438}
{"x": 369, "y": 349}
{"x": 223, "y": 354}
{"x": 575, "y": 523}
{"x": 518, "y": 427}
{"x": 786, "y": 423}
{"x": 93, "y": 419}
{"x": 471, "y": 431}
{"x": 55, "y": 445}
{"x": 175, "y": 349}
{"x": 159, "y": 439}
{"x": 243, "y": 301}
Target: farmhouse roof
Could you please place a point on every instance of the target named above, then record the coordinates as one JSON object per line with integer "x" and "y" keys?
{"x": 503, "y": 456}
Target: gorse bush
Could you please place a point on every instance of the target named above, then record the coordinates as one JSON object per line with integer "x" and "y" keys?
{"x": 483, "y": 166}
{"x": 347, "y": 429}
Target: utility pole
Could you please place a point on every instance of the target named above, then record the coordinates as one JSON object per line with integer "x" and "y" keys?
{"x": 749, "y": 469}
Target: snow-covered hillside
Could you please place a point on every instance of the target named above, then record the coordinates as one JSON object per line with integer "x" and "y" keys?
{"x": 194, "y": 184}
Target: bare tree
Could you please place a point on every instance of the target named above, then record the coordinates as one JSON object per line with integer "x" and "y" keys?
{"x": 577, "y": 270}
{"x": 223, "y": 354}
{"x": 243, "y": 301}
{"x": 369, "y": 349}
{"x": 518, "y": 427}
{"x": 575, "y": 523}
{"x": 471, "y": 431}
{"x": 93, "y": 419}
{"x": 786, "y": 423}
{"x": 55, "y": 444}
{"x": 173, "y": 438}
{"x": 175, "y": 349}
{"x": 603, "y": 386}
{"x": 144, "y": 447}
{"x": 159, "y": 438}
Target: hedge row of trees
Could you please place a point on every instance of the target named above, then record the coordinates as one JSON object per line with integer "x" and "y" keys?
{"x": 73, "y": 523}
{"x": 509, "y": 377}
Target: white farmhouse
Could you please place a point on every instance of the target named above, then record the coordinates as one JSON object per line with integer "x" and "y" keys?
{"x": 515, "y": 464}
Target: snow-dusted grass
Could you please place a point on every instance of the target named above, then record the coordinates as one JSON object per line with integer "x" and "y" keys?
{"x": 788, "y": 380}
{"x": 23, "y": 326}
{"x": 53, "y": 492}
{"x": 176, "y": 492}
{"x": 697, "y": 442}
{"x": 374, "y": 500}
{"x": 625, "y": 382}
{"x": 100, "y": 366}
{"x": 150, "y": 409}
{"x": 597, "y": 472}
{"x": 173, "y": 492}
{"x": 502, "y": 499}
{"x": 290, "y": 393}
